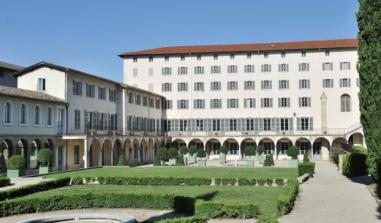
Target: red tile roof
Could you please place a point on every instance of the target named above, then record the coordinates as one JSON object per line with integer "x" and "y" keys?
{"x": 235, "y": 48}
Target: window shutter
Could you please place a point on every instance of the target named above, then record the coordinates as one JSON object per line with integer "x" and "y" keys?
{"x": 311, "y": 123}
{"x": 290, "y": 124}
{"x": 300, "y": 102}
{"x": 273, "y": 124}
{"x": 309, "y": 102}
{"x": 271, "y": 102}
{"x": 262, "y": 102}
{"x": 298, "y": 123}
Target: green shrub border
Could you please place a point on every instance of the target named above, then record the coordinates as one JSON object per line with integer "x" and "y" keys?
{"x": 306, "y": 167}
{"x": 286, "y": 200}
{"x": 4, "y": 181}
{"x": 208, "y": 209}
{"x": 190, "y": 219}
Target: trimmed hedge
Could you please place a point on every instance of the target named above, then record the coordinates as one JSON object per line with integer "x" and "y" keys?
{"x": 287, "y": 199}
{"x": 355, "y": 164}
{"x": 306, "y": 167}
{"x": 191, "y": 219}
{"x": 210, "y": 209}
{"x": 96, "y": 200}
{"x": 30, "y": 189}
{"x": 4, "y": 181}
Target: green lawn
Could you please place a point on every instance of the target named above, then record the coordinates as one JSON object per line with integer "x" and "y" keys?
{"x": 265, "y": 197}
{"x": 183, "y": 172}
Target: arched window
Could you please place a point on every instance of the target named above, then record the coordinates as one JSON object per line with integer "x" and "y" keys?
{"x": 23, "y": 114}
{"x": 37, "y": 120}
{"x": 50, "y": 117}
{"x": 8, "y": 113}
{"x": 345, "y": 101}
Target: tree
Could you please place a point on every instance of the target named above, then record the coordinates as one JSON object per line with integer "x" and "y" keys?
{"x": 173, "y": 153}
{"x": 44, "y": 157}
{"x": 369, "y": 68}
{"x": 293, "y": 152}
{"x": 162, "y": 154}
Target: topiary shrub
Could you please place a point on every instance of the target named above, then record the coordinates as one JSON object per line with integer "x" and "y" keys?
{"x": 192, "y": 150}
{"x": 335, "y": 152}
{"x": 293, "y": 152}
{"x": 44, "y": 157}
{"x": 269, "y": 161}
{"x": 173, "y": 153}
{"x": 355, "y": 164}
{"x": 162, "y": 154}
{"x": 183, "y": 150}
{"x": 260, "y": 150}
{"x": 16, "y": 162}
{"x": 223, "y": 150}
{"x": 121, "y": 161}
{"x": 201, "y": 153}
{"x": 306, "y": 159}
{"x": 249, "y": 151}
{"x": 306, "y": 167}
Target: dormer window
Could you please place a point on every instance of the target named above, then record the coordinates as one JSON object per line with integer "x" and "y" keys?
{"x": 166, "y": 58}
{"x": 41, "y": 84}
{"x": 135, "y": 59}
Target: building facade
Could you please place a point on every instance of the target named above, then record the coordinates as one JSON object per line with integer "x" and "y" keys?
{"x": 272, "y": 95}
{"x": 6, "y": 74}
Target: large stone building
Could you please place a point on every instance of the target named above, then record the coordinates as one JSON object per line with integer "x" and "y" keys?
{"x": 274, "y": 94}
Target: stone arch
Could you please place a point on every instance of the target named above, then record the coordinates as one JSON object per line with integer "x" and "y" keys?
{"x": 304, "y": 145}
{"x": 143, "y": 150}
{"x": 356, "y": 139}
{"x": 247, "y": 142}
{"x": 6, "y": 147}
{"x": 150, "y": 149}
{"x": 320, "y": 149}
{"x": 94, "y": 153}
{"x": 268, "y": 145}
{"x": 213, "y": 145}
{"x": 127, "y": 150}
{"x": 135, "y": 149}
{"x": 106, "y": 153}
{"x": 117, "y": 151}
{"x": 196, "y": 142}
{"x": 340, "y": 142}
{"x": 232, "y": 146}
{"x": 35, "y": 146}
{"x": 177, "y": 143}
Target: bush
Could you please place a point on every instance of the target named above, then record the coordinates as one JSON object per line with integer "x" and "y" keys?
{"x": 156, "y": 161}
{"x": 183, "y": 150}
{"x": 210, "y": 209}
{"x": 306, "y": 159}
{"x": 335, "y": 152}
{"x": 44, "y": 156}
{"x": 249, "y": 151}
{"x": 279, "y": 182}
{"x": 201, "y": 153}
{"x": 267, "y": 219}
{"x": 355, "y": 164}
{"x": 261, "y": 182}
{"x": 286, "y": 200}
{"x": 306, "y": 168}
{"x": 180, "y": 160}
{"x": 34, "y": 188}
{"x": 4, "y": 181}
{"x": 269, "y": 161}
{"x": 133, "y": 163}
{"x": 223, "y": 150}
{"x": 173, "y": 153}
{"x": 121, "y": 161}
{"x": 162, "y": 154}
{"x": 16, "y": 162}
{"x": 261, "y": 149}
{"x": 191, "y": 219}
{"x": 293, "y": 152}
{"x": 192, "y": 150}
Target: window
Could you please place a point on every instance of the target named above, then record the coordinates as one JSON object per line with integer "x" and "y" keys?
{"x": 130, "y": 97}
{"x": 138, "y": 99}
{"x": 232, "y": 85}
{"x": 183, "y": 125}
{"x": 249, "y": 124}
{"x": 168, "y": 104}
{"x": 112, "y": 95}
{"x": 198, "y": 57}
{"x": 249, "y": 68}
{"x": 77, "y": 119}
{"x": 303, "y": 53}
{"x": 304, "y": 102}
{"x": 266, "y": 68}
{"x": 198, "y": 86}
{"x": 23, "y": 114}
{"x": 232, "y": 69}
{"x": 151, "y": 102}
{"x": 266, "y": 102}
{"x": 284, "y": 102}
{"x": 166, "y": 58}
{"x": 345, "y": 65}
{"x": 166, "y": 71}
{"x": 283, "y": 67}
{"x": 145, "y": 101}
{"x": 158, "y": 103}
{"x": 327, "y": 66}
{"x": 37, "y": 115}
{"x": 266, "y": 85}
{"x": 248, "y": 56}
{"x": 76, "y": 154}
{"x": 345, "y": 82}
{"x": 267, "y": 124}
{"x": 249, "y": 85}
{"x": 215, "y": 103}
{"x": 265, "y": 55}
{"x": 232, "y": 124}
{"x": 232, "y": 56}
{"x": 284, "y": 84}
{"x": 60, "y": 118}
{"x": 199, "y": 104}
{"x": 249, "y": 103}
{"x": 304, "y": 67}
{"x": 135, "y": 72}
{"x": 304, "y": 84}
{"x": 101, "y": 93}
{"x": 232, "y": 103}
{"x": 345, "y": 103}
{"x": 182, "y": 104}
{"x": 77, "y": 87}
{"x": 215, "y": 69}
{"x": 150, "y": 58}
{"x": 283, "y": 54}
{"x": 135, "y": 59}
{"x": 198, "y": 70}
{"x": 182, "y": 70}
{"x": 41, "y": 84}
{"x": 182, "y": 57}
{"x": 182, "y": 86}
{"x": 90, "y": 91}
{"x": 215, "y": 86}
{"x": 199, "y": 125}
{"x": 284, "y": 126}
{"x": 326, "y": 52}
{"x": 215, "y": 56}
{"x": 150, "y": 71}
{"x": 216, "y": 124}
{"x": 8, "y": 112}
{"x": 166, "y": 87}
{"x": 50, "y": 117}
{"x": 327, "y": 83}
{"x": 304, "y": 124}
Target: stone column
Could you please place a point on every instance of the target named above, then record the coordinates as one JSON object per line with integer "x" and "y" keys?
{"x": 86, "y": 150}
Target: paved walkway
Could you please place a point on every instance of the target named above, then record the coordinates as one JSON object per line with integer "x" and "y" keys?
{"x": 22, "y": 181}
{"x": 331, "y": 197}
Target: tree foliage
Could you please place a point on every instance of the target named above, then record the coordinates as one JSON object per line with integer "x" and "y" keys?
{"x": 44, "y": 156}
{"x": 369, "y": 68}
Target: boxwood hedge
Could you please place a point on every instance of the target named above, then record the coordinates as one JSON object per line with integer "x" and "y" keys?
{"x": 4, "y": 181}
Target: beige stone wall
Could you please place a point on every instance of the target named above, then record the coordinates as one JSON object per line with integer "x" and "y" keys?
{"x": 70, "y": 154}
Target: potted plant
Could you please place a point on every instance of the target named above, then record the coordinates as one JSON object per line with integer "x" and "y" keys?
{"x": 201, "y": 154}
{"x": 223, "y": 152}
{"x": 44, "y": 157}
{"x": 269, "y": 161}
{"x": 15, "y": 165}
{"x": 260, "y": 154}
{"x": 162, "y": 155}
{"x": 184, "y": 154}
{"x": 172, "y": 155}
{"x": 293, "y": 152}
{"x": 192, "y": 154}
{"x": 249, "y": 153}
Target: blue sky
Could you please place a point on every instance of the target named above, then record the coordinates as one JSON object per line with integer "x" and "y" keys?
{"x": 88, "y": 35}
